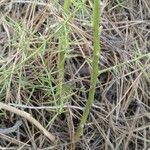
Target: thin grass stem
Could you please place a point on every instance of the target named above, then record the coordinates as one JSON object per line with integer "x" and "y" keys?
{"x": 63, "y": 46}
{"x": 95, "y": 69}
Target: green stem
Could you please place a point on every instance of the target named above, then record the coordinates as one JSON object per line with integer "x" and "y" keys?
{"x": 67, "y": 3}
{"x": 95, "y": 69}
{"x": 63, "y": 46}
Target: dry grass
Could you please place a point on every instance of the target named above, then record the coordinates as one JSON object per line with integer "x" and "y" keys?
{"x": 29, "y": 76}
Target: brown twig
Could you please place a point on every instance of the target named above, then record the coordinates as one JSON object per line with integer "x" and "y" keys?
{"x": 29, "y": 118}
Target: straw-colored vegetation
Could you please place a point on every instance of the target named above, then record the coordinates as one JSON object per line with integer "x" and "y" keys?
{"x": 52, "y": 71}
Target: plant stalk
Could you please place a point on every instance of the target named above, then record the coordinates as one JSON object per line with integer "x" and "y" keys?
{"x": 95, "y": 69}
{"x": 63, "y": 46}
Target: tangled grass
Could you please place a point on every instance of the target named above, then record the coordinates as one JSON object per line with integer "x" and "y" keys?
{"x": 32, "y": 79}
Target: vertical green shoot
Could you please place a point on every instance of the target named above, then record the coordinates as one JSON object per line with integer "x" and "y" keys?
{"x": 63, "y": 47}
{"x": 95, "y": 70}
